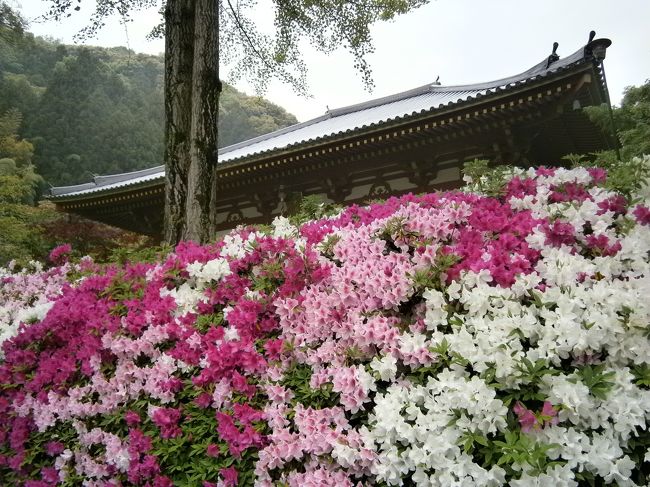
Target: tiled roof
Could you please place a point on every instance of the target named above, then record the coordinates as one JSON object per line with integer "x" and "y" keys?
{"x": 416, "y": 101}
{"x": 400, "y": 106}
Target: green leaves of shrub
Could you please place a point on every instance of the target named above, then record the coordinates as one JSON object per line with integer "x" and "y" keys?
{"x": 519, "y": 448}
{"x": 297, "y": 379}
{"x": 312, "y": 207}
{"x": 625, "y": 176}
{"x": 597, "y": 380}
{"x": 489, "y": 181}
{"x": 642, "y": 375}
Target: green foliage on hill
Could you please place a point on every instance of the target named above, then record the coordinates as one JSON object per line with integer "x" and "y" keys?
{"x": 30, "y": 229}
{"x": 19, "y": 187}
{"x": 91, "y": 110}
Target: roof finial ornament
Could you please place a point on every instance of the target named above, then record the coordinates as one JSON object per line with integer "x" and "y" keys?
{"x": 596, "y": 48}
{"x": 554, "y": 56}
{"x": 437, "y": 81}
{"x": 592, "y": 35}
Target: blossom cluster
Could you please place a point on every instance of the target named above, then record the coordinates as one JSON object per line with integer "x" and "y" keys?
{"x": 27, "y": 295}
{"x": 441, "y": 339}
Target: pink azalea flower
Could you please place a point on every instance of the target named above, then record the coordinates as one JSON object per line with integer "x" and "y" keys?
{"x": 526, "y": 417}
{"x": 273, "y": 348}
{"x": 213, "y": 450}
{"x": 203, "y": 400}
{"x": 132, "y": 418}
{"x": 560, "y": 234}
{"x": 549, "y": 414}
{"x": 229, "y": 476}
{"x": 53, "y": 448}
{"x": 545, "y": 171}
{"x": 616, "y": 204}
{"x": 167, "y": 420}
{"x": 642, "y": 214}
{"x": 598, "y": 174}
{"x": 601, "y": 244}
{"x": 59, "y": 255}
{"x": 50, "y": 474}
{"x": 162, "y": 481}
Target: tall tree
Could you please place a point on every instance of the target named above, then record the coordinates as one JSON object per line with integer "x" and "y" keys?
{"x": 12, "y": 24}
{"x": 192, "y": 88}
{"x": 192, "y": 54}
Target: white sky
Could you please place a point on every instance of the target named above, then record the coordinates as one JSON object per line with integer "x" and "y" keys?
{"x": 462, "y": 41}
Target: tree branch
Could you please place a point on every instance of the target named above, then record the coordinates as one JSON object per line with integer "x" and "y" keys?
{"x": 245, "y": 34}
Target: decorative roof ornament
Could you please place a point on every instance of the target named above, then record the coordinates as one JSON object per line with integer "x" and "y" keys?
{"x": 596, "y": 48}
{"x": 592, "y": 34}
{"x": 554, "y": 56}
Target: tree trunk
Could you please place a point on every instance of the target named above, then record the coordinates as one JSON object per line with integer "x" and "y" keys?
{"x": 192, "y": 89}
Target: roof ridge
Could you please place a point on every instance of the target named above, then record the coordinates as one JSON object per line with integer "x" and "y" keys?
{"x": 104, "y": 180}
{"x": 61, "y": 190}
{"x": 108, "y": 178}
{"x": 435, "y": 88}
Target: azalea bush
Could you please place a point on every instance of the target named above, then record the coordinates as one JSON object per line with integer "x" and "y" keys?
{"x": 26, "y": 295}
{"x": 493, "y": 336}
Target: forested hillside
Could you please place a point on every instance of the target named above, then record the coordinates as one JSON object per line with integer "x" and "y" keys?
{"x": 92, "y": 110}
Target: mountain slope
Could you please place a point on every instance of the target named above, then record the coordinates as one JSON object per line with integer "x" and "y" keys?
{"x": 92, "y": 110}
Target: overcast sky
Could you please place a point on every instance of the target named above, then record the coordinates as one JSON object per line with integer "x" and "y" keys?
{"x": 462, "y": 41}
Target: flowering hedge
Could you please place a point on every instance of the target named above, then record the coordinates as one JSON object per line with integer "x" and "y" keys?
{"x": 26, "y": 296}
{"x": 442, "y": 339}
